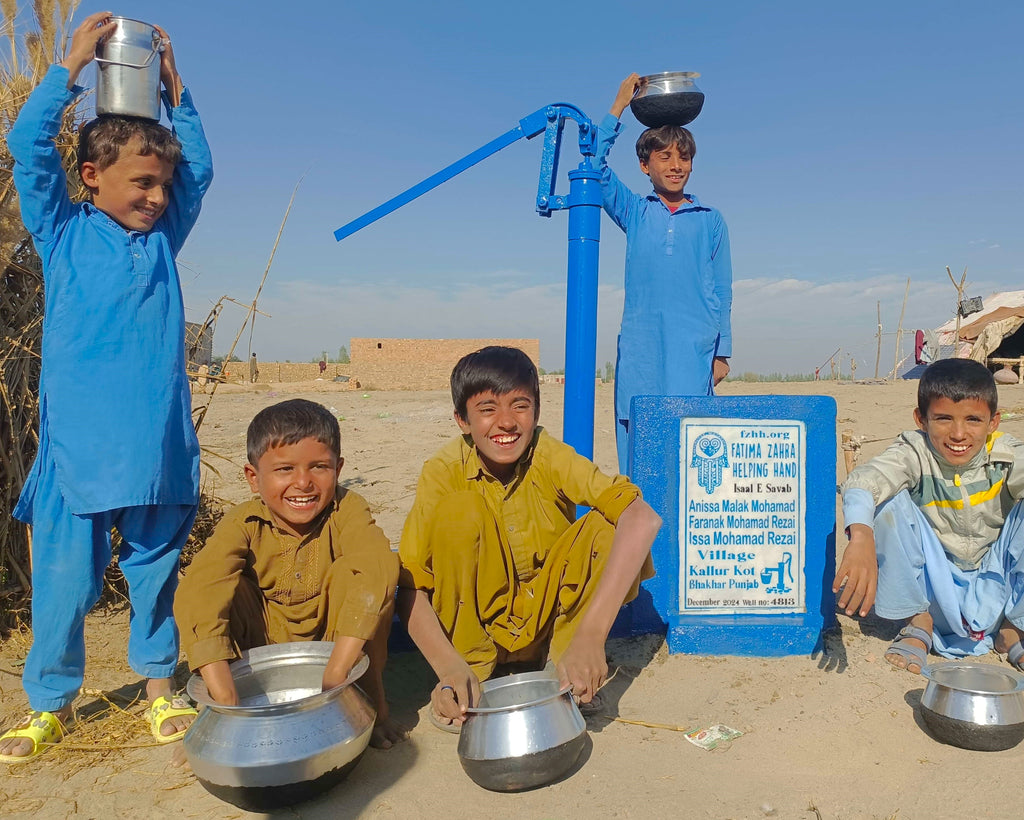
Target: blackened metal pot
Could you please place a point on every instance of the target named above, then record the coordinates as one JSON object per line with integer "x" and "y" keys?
{"x": 287, "y": 740}
{"x": 669, "y": 98}
{"x": 525, "y": 732}
{"x": 976, "y": 706}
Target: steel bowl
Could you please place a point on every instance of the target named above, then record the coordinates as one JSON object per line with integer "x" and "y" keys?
{"x": 287, "y": 740}
{"x": 974, "y": 705}
{"x": 670, "y": 98}
{"x": 525, "y": 732}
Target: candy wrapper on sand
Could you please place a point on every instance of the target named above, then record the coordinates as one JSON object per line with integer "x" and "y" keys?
{"x": 709, "y": 737}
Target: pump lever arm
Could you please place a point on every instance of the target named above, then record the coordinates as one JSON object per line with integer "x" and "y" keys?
{"x": 529, "y": 127}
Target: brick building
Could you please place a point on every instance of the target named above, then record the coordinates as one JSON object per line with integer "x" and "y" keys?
{"x": 418, "y": 364}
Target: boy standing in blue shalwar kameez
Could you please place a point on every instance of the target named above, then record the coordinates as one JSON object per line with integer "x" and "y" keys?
{"x": 676, "y": 335}
{"x": 117, "y": 447}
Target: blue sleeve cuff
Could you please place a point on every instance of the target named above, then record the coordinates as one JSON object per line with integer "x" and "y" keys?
{"x": 57, "y": 77}
{"x": 858, "y": 507}
{"x": 611, "y": 123}
{"x": 186, "y": 103}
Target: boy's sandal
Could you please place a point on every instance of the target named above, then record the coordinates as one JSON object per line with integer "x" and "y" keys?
{"x": 1015, "y": 656}
{"x": 438, "y": 722}
{"x": 44, "y": 729}
{"x": 164, "y": 708}
{"x": 913, "y": 654}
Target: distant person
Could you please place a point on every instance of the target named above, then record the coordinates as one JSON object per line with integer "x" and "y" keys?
{"x": 202, "y": 377}
{"x": 497, "y": 573}
{"x": 934, "y": 524}
{"x": 254, "y": 370}
{"x": 303, "y": 562}
{"x": 323, "y": 366}
{"x": 116, "y": 448}
{"x": 676, "y": 334}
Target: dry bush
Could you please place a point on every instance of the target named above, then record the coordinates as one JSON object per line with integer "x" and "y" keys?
{"x": 27, "y": 48}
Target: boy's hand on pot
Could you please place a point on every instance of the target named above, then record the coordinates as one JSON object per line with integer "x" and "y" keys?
{"x": 84, "y": 41}
{"x": 625, "y": 94}
{"x": 168, "y": 69}
{"x": 584, "y": 667}
{"x": 456, "y": 691}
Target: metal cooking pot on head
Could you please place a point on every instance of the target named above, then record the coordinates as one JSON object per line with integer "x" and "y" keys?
{"x": 976, "y": 706}
{"x": 669, "y": 98}
{"x": 128, "y": 70}
{"x": 526, "y": 731}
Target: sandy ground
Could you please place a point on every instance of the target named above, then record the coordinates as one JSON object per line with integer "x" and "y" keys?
{"x": 835, "y": 735}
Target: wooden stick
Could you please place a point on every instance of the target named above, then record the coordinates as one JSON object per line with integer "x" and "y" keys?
{"x": 899, "y": 331}
{"x": 668, "y": 726}
{"x": 252, "y": 307}
{"x": 878, "y": 354}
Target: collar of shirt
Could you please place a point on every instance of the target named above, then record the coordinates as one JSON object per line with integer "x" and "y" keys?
{"x": 103, "y": 218}
{"x": 475, "y": 469}
{"x": 692, "y": 203}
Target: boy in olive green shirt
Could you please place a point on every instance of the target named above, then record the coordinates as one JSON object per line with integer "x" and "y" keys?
{"x": 495, "y": 568}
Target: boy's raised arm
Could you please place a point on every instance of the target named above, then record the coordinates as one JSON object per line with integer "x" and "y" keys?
{"x": 168, "y": 69}
{"x": 84, "y": 41}
{"x": 625, "y": 94}
{"x": 38, "y": 170}
{"x": 194, "y": 174}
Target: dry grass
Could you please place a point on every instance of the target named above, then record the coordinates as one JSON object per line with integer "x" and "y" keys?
{"x": 30, "y": 40}
{"x": 31, "y": 45}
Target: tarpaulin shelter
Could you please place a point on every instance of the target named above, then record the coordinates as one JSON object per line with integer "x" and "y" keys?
{"x": 993, "y": 333}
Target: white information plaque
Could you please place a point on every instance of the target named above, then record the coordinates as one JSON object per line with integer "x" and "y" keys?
{"x": 741, "y": 515}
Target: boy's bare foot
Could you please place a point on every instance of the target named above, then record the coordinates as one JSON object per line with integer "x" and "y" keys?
{"x": 174, "y": 724}
{"x": 1006, "y": 640}
{"x": 910, "y": 649}
{"x": 386, "y": 733}
{"x": 25, "y": 746}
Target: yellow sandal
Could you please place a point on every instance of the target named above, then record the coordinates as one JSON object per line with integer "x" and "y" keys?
{"x": 164, "y": 708}
{"x": 44, "y": 729}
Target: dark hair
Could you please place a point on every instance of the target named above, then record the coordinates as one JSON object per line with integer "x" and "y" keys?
{"x": 100, "y": 141}
{"x": 658, "y": 139}
{"x": 956, "y": 380}
{"x": 498, "y": 369}
{"x": 289, "y": 422}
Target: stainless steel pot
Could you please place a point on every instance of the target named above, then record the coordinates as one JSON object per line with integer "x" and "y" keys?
{"x": 525, "y": 732}
{"x": 669, "y": 98}
{"x": 287, "y": 740}
{"x": 974, "y": 705}
{"x": 128, "y": 70}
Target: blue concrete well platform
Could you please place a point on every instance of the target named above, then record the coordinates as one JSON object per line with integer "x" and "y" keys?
{"x": 745, "y": 557}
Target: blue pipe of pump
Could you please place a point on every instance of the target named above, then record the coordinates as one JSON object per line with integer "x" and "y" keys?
{"x": 581, "y": 307}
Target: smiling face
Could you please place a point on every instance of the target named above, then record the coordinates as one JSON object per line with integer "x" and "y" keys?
{"x": 957, "y": 430}
{"x": 296, "y": 481}
{"x": 669, "y": 170}
{"x": 134, "y": 190}
{"x": 502, "y": 428}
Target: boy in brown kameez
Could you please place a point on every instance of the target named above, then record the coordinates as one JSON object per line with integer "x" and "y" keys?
{"x": 304, "y": 561}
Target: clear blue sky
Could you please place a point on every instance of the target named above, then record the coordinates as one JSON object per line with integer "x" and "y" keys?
{"x": 849, "y": 146}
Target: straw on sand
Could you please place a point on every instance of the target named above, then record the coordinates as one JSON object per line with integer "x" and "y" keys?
{"x": 26, "y": 51}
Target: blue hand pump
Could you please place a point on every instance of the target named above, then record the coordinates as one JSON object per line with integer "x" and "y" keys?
{"x": 584, "y": 206}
